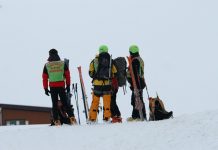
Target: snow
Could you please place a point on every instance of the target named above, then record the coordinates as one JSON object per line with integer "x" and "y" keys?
{"x": 187, "y": 132}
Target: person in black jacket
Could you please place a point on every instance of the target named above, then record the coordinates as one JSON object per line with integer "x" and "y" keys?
{"x": 138, "y": 70}
{"x": 56, "y": 80}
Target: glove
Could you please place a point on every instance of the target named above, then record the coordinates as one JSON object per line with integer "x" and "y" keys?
{"x": 131, "y": 88}
{"x": 47, "y": 92}
{"x": 68, "y": 88}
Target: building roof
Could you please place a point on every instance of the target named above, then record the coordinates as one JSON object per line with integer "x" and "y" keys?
{"x": 23, "y": 107}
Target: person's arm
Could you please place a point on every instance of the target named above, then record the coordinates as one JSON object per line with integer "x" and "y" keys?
{"x": 92, "y": 69}
{"x": 45, "y": 77}
{"x": 67, "y": 75}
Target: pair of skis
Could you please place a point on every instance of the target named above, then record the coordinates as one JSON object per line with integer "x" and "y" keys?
{"x": 84, "y": 96}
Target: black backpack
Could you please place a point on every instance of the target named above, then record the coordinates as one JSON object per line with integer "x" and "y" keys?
{"x": 159, "y": 111}
{"x": 104, "y": 71}
{"x": 121, "y": 65}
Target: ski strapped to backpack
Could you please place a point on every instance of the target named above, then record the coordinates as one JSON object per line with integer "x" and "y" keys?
{"x": 138, "y": 100}
{"x": 84, "y": 96}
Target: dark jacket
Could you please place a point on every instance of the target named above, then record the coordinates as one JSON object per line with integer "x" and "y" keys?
{"x": 138, "y": 71}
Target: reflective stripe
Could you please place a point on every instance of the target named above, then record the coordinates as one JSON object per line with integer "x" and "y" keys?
{"x": 55, "y": 71}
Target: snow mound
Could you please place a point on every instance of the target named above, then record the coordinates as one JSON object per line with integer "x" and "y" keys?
{"x": 188, "y": 132}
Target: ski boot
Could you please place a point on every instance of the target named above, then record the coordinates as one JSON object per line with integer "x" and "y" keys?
{"x": 106, "y": 120}
{"x": 57, "y": 122}
{"x": 169, "y": 115}
{"x": 116, "y": 120}
{"x": 92, "y": 122}
{"x": 73, "y": 121}
{"x": 160, "y": 115}
{"x": 130, "y": 119}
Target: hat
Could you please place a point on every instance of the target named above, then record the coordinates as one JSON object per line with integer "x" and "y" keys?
{"x": 133, "y": 49}
{"x": 53, "y": 52}
{"x": 103, "y": 49}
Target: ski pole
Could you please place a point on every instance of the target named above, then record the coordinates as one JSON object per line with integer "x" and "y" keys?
{"x": 124, "y": 90}
{"x": 147, "y": 90}
{"x": 76, "y": 98}
{"x": 77, "y": 103}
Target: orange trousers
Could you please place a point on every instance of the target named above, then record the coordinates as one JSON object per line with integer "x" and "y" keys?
{"x": 94, "y": 107}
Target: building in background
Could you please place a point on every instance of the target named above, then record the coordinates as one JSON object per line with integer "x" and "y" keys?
{"x": 24, "y": 115}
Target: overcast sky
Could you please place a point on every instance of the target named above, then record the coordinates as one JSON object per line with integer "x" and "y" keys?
{"x": 177, "y": 40}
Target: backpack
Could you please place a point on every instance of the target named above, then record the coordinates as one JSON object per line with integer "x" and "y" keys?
{"x": 121, "y": 65}
{"x": 159, "y": 113}
{"x": 104, "y": 67}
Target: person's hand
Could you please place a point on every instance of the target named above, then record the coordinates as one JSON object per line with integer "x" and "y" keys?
{"x": 47, "y": 91}
{"x": 68, "y": 88}
{"x": 131, "y": 88}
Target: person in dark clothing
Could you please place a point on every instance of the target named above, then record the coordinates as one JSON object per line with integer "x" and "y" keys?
{"x": 57, "y": 74}
{"x": 101, "y": 70}
{"x": 115, "y": 112}
{"x": 138, "y": 70}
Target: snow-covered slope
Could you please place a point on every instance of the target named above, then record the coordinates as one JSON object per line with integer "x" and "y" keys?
{"x": 187, "y": 132}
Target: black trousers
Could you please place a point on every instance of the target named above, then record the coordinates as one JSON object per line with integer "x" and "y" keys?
{"x": 114, "y": 108}
{"x": 135, "y": 112}
{"x": 56, "y": 93}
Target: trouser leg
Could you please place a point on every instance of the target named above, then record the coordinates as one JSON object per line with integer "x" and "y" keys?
{"x": 54, "y": 98}
{"x": 63, "y": 98}
{"x": 135, "y": 112}
{"x": 114, "y": 108}
{"x": 113, "y": 104}
{"x": 94, "y": 107}
{"x": 107, "y": 103}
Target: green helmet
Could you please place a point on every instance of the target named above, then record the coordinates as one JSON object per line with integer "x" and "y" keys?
{"x": 103, "y": 48}
{"x": 133, "y": 49}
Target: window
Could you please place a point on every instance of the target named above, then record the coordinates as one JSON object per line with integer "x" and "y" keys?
{"x": 16, "y": 122}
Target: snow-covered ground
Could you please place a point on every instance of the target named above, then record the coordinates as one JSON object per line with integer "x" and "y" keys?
{"x": 188, "y": 132}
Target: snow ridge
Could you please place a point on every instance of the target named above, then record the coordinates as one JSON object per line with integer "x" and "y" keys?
{"x": 196, "y": 132}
